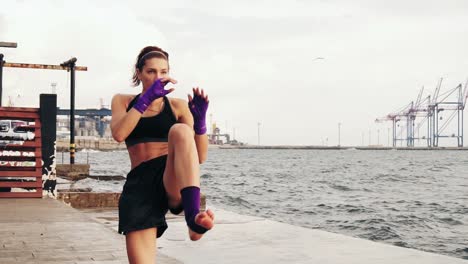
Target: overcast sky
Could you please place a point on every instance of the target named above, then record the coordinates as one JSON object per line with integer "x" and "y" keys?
{"x": 256, "y": 59}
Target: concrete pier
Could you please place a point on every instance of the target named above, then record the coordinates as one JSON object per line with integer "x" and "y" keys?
{"x": 48, "y": 231}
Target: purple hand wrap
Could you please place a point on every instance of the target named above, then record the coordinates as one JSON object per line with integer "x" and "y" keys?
{"x": 154, "y": 92}
{"x": 198, "y": 107}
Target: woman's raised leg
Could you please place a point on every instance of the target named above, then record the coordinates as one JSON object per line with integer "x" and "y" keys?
{"x": 182, "y": 171}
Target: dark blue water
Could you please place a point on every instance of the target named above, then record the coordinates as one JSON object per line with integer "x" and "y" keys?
{"x": 415, "y": 199}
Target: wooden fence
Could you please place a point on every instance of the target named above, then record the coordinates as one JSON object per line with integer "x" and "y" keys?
{"x": 27, "y": 138}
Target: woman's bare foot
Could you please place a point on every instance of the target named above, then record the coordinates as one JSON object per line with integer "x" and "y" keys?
{"x": 204, "y": 219}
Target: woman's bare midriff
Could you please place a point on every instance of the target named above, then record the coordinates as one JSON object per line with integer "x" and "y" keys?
{"x": 145, "y": 151}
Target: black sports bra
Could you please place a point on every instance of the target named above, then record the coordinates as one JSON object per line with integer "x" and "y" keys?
{"x": 153, "y": 128}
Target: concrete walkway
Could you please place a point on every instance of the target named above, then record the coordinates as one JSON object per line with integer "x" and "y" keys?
{"x": 242, "y": 239}
{"x": 49, "y": 231}
{"x": 245, "y": 239}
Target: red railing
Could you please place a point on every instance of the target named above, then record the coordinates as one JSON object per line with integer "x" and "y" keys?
{"x": 20, "y": 152}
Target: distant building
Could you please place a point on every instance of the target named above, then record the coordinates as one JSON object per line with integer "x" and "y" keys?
{"x": 85, "y": 127}
{"x": 216, "y": 138}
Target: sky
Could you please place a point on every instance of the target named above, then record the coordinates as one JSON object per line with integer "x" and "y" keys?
{"x": 257, "y": 60}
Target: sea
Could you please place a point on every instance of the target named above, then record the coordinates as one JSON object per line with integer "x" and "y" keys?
{"x": 408, "y": 198}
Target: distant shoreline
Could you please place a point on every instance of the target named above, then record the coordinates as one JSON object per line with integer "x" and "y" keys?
{"x": 338, "y": 147}
{"x": 111, "y": 145}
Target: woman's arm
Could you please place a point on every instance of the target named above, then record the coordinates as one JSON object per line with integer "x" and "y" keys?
{"x": 202, "y": 147}
{"x": 122, "y": 122}
{"x": 201, "y": 141}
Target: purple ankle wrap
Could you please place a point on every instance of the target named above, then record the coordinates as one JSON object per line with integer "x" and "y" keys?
{"x": 191, "y": 204}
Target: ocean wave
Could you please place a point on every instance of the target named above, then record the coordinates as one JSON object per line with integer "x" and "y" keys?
{"x": 401, "y": 244}
{"x": 450, "y": 221}
{"x": 340, "y": 187}
{"x": 239, "y": 201}
{"x": 348, "y": 227}
{"x": 380, "y": 233}
{"x": 205, "y": 176}
{"x": 370, "y": 221}
{"x": 324, "y": 206}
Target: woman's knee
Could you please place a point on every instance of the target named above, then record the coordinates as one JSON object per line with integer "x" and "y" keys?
{"x": 180, "y": 132}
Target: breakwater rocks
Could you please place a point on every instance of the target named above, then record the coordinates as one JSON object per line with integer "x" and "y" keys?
{"x": 85, "y": 198}
{"x": 104, "y": 144}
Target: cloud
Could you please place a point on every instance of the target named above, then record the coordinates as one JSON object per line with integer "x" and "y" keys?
{"x": 2, "y": 25}
{"x": 254, "y": 58}
{"x": 106, "y": 42}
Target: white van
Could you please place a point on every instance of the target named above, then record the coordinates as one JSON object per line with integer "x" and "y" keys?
{"x": 15, "y": 129}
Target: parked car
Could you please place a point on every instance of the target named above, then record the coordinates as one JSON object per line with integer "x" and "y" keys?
{"x": 15, "y": 129}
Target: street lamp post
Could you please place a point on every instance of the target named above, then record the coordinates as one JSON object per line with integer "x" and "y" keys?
{"x": 1, "y": 77}
{"x": 2, "y": 62}
{"x": 71, "y": 63}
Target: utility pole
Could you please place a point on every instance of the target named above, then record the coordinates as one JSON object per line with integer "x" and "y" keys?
{"x": 388, "y": 137}
{"x": 258, "y": 133}
{"x": 211, "y": 124}
{"x": 339, "y": 134}
{"x": 2, "y": 63}
{"x": 378, "y": 137}
{"x": 369, "y": 137}
{"x": 54, "y": 87}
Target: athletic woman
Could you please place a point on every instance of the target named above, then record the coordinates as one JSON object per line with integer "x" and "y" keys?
{"x": 166, "y": 141}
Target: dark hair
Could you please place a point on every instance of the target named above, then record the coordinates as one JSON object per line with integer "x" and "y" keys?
{"x": 145, "y": 54}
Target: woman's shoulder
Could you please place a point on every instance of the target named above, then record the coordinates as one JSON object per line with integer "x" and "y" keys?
{"x": 122, "y": 100}
{"x": 123, "y": 97}
{"x": 179, "y": 106}
{"x": 177, "y": 102}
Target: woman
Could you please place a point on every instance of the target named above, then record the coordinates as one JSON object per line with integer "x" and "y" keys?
{"x": 165, "y": 154}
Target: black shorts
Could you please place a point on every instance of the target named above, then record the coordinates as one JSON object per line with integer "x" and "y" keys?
{"x": 143, "y": 203}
